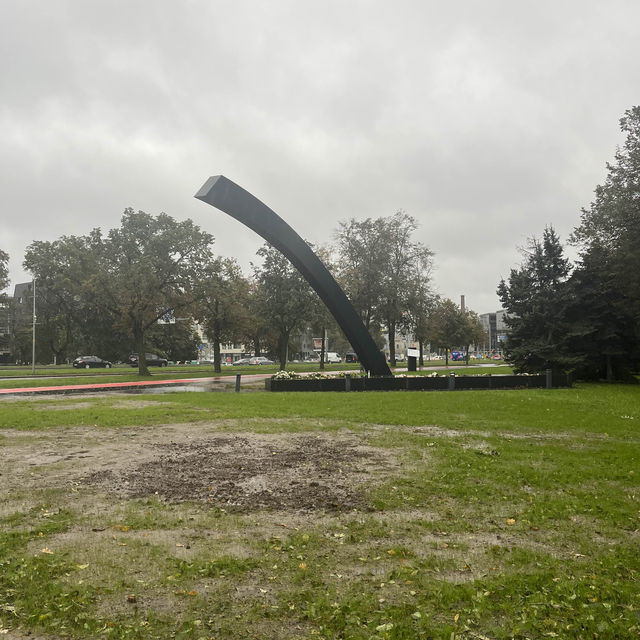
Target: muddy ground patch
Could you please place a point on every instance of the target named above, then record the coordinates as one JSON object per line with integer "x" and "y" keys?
{"x": 248, "y": 472}
{"x": 303, "y": 472}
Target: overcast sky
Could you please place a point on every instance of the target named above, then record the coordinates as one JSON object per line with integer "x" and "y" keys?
{"x": 485, "y": 121}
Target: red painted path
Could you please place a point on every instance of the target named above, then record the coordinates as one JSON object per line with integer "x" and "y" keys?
{"x": 115, "y": 386}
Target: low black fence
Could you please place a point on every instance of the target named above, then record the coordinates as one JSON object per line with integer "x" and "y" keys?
{"x": 420, "y": 383}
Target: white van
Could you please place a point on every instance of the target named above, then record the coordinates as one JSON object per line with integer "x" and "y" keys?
{"x": 332, "y": 357}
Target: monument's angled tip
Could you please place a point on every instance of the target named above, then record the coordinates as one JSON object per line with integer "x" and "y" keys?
{"x": 207, "y": 187}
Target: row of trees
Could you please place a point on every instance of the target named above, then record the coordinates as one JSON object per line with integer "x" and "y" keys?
{"x": 105, "y": 293}
{"x": 585, "y": 317}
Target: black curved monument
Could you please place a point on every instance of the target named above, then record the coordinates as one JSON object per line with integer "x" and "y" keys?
{"x": 222, "y": 193}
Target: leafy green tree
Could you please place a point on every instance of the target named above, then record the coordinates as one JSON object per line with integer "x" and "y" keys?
{"x": 407, "y": 267}
{"x": 362, "y": 249}
{"x": 68, "y": 318}
{"x": 5, "y": 311}
{"x": 178, "y": 341}
{"x": 322, "y": 324}
{"x": 4, "y": 271}
{"x": 534, "y": 300}
{"x": 222, "y": 305}
{"x": 446, "y": 326}
{"x": 255, "y": 328}
{"x": 286, "y": 299}
{"x": 421, "y": 304}
{"x": 381, "y": 267}
{"x": 148, "y": 267}
{"x": 472, "y": 331}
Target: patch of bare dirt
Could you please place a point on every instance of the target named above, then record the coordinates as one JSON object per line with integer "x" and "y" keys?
{"x": 56, "y": 406}
{"x": 250, "y": 472}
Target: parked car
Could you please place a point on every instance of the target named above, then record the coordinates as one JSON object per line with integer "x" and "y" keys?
{"x": 332, "y": 357}
{"x": 253, "y": 360}
{"x": 351, "y": 356}
{"x": 152, "y": 360}
{"x": 89, "y": 362}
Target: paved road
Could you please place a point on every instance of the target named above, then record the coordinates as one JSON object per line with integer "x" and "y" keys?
{"x": 126, "y": 386}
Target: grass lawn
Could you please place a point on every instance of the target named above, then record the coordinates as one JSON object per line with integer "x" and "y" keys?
{"x": 497, "y": 514}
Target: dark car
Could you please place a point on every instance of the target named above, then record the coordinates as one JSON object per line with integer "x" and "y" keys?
{"x": 152, "y": 359}
{"x": 89, "y": 362}
{"x": 351, "y": 356}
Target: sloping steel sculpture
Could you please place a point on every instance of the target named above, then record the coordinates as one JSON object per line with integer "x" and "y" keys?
{"x": 222, "y": 193}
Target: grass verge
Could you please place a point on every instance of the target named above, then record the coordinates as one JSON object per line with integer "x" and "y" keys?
{"x": 502, "y": 514}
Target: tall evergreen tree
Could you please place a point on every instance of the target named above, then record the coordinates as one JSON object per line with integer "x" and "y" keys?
{"x": 609, "y": 237}
{"x": 601, "y": 328}
{"x": 534, "y": 301}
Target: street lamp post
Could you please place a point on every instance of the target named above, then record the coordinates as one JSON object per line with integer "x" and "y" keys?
{"x": 33, "y": 331}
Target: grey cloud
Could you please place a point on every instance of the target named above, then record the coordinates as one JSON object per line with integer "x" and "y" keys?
{"x": 485, "y": 121}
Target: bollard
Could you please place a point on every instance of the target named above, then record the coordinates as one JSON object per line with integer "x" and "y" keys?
{"x": 237, "y": 382}
{"x": 452, "y": 381}
{"x": 549, "y": 379}
{"x": 347, "y": 382}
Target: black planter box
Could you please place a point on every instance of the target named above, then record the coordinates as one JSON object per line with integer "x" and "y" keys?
{"x": 416, "y": 383}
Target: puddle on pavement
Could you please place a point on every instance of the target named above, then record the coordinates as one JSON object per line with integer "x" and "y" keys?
{"x": 192, "y": 387}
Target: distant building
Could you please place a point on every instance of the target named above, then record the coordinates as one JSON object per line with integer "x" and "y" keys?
{"x": 20, "y": 320}
{"x": 496, "y": 328}
{"x": 5, "y": 328}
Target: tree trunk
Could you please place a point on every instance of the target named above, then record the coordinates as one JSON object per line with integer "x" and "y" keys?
{"x": 322, "y": 351}
{"x": 282, "y": 349}
{"x": 421, "y": 360}
{"x": 138, "y": 334}
{"x": 609, "y": 368}
{"x": 446, "y": 357}
{"x": 466, "y": 356}
{"x": 256, "y": 345}
{"x": 392, "y": 343}
{"x": 57, "y": 355}
{"x": 216, "y": 348}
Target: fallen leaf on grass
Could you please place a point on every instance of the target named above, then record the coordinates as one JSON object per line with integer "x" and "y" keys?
{"x": 47, "y": 550}
{"x": 510, "y": 521}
